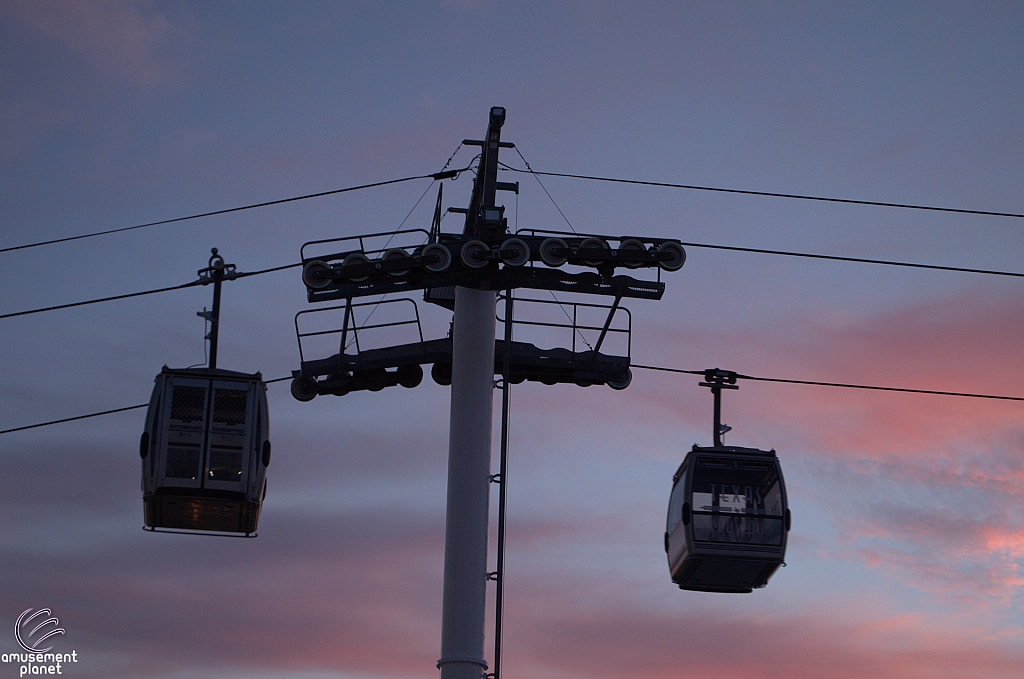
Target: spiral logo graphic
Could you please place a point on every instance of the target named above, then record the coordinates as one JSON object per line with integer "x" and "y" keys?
{"x": 28, "y": 640}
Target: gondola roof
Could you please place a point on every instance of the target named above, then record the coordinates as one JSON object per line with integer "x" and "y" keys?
{"x": 738, "y": 450}
{"x": 212, "y": 372}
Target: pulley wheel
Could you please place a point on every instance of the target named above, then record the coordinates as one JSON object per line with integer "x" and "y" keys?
{"x": 374, "y": 380}
{"x": 304, "y": 389}
{"x": 410, "y": 376}
{"x": 437, "y": 257}
{"x": 621, "y": 381}
{"x": 677, "y": 259}
{"x": 549, "y": 257}
{"x": 633, "y": 247}
{"x": 316, "y": 274}
{"x": 515, "y": 252}
{"x": 476, "y": 254}
{"x": 396, "y": 254}
{"x": 355, "y": 258}
{"x": 592, "y": 246}
{"x": 442, "y": 374}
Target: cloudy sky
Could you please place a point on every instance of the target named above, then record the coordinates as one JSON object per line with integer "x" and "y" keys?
{"x": 906, "y": 557}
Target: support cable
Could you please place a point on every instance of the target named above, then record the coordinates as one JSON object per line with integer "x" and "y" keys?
{"x": 815, "y": 383}
{"x": 551, "y": 198}
{"x": 771, "y": 194}
{"x": 856, "y": 260}
{"x": 392, "y": 237}
{"x": 530, "y": 170}
{"x": 190, "y": 284}
{"x": 437, "y": 175}
{"x": 730, "y": 248}
{"x": 842, "y": 385}
{"x": 104, "y": 412}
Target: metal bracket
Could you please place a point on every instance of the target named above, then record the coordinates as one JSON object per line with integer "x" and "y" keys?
{"x": 718, "y": 380}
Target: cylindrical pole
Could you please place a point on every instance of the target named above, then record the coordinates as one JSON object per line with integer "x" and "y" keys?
{"x": 717, "y": 434}
{"x": 506, "y": 390}
{"x": 469, "y": 466}
{"x": 218, "y": 277}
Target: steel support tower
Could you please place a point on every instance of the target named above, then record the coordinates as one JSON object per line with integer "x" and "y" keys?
{"x": 465, "y": 272}
{"x": 469, "y": 442}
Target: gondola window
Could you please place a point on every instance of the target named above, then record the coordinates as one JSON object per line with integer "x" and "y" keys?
{"x": 737, "y": 502}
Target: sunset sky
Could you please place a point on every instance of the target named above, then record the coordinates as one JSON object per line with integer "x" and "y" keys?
{"x": 906, "y": 557}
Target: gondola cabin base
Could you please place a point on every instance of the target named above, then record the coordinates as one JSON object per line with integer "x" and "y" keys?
{"x": 205, "y": 451}
{"x": 727, "y": 520}
{"x": 201, "y": 513}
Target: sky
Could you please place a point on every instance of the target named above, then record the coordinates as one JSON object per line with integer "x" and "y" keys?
{"x": 906, "y": 556}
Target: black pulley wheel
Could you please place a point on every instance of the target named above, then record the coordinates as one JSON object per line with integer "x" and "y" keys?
{"x": 590, "y": 247}
{"x": 316, "y": 274}
{"x": 436, "y": 257}
{"x": 554, "y": 252}
{"x": 442, "y": 374}
{"x": 410, "y": 376}
{"x": 476, "y": 254}
{"x": 621, "y": 381}
{"x": 634, "y": 247}
{"x": 397, "y": 254}
{"x": 304, "y": 389}
{"x": 676, "y": 259}
{"x": 515, "y": 252}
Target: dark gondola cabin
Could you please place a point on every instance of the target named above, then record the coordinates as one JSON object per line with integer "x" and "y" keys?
{"x": 205, "y": 451}
{"x": 727, "y": 519}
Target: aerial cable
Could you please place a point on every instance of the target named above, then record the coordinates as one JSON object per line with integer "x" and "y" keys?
{"x": 771, "y": 194}
{"x": 813, "y": 383}
{"x": 103, "y": 412}
{"x": 72, "y": 419}
{"x": 530, "y": 169}
{"x": 842, "y": 385}
{"x": 552, "y": 199}
{"x": 733, "y": 248}
{"x": 392, "y": 237}
{"x": 784, "y": 253}
{"x": 437, "y": 175}
{"x": 201, "y": 281}
{"x": 856, "y": 260}
{"x": 452, "y": 157}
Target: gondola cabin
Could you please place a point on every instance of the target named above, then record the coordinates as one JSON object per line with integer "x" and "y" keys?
{"x": 205, "y": 451}
{"x": 727, "y": 520}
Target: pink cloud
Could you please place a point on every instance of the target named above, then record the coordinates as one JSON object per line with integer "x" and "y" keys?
{"x": 125, "y": 40}
{"x": 701, "y": 640}
{"x": 968, "y": 343}
{"x": 924, "y": 488}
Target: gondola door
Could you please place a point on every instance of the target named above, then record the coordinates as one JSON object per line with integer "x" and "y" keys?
{"x": 186, "y": 402}
{"x": 230, "y": 439}
{"x": 676, "y": 544}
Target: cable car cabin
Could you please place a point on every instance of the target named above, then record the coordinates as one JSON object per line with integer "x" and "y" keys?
{"x": 727, "y": 520}
{"x": 205, "y": 451}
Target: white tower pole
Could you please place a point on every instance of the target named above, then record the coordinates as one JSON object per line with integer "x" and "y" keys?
{"x": 469, "y": 468}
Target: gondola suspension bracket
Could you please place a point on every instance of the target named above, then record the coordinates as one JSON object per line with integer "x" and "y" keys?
{"x": 728, "y": 515}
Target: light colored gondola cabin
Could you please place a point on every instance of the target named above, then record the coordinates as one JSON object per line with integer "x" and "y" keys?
{"x": 205, "y": 451}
